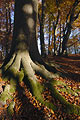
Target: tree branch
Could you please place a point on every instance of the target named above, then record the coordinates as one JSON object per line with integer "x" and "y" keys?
{"x": 57, "y": 17}
{"x": 71, "y": 13}
{"x": 72, "y": 44}
{"x": 76, "y": 16}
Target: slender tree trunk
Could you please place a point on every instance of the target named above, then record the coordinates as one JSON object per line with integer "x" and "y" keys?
{"x": 42, "y": 28}
{"x": 6, "y": 32}
{"x": 42, "y": 39}
{"x": 54, "y": 28}
{"x": 69, "y": 22}
{"x": 9, "y": 20}
{"x": 49, "y": 36}
{"x": 8, "y": 28}
{"x": 65, "y": 38}
{"x": 60, "y": 41}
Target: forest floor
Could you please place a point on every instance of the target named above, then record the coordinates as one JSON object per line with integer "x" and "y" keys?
{"x": 28, "y": 108}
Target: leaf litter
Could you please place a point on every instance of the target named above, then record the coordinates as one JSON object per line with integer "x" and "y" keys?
{"x": 28, "y": 108}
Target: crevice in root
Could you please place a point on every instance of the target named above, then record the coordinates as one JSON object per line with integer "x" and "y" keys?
{"x": 41, "y": 70}
{"x": 5, "y": 70}
{"x": 11, "y": 61}
{"x": 13, "y": 66}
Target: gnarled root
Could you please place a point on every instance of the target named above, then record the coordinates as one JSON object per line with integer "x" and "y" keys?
{"x": 22, "y": 68}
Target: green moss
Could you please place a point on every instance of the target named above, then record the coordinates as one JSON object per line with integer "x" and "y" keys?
{"x": 21, "y": 76}
{"x": 56, "y": 94}
{"x": 38, "y": 96}
{"x": 10, "y": 109}
{"x": 12, "y": 89}
{"x": 69, "y": 91}
{"x": 5, "y": 79}
{"x": 37, "y": 89}
{"x": 6, "y": 67}
{"x": 58, "y": 83}
{"x": 5, "y": 96}
{"x": 72, "y": 109}
{"x": 7, "y": 93}
{"x": 65, "y": 89}
{"x": 69, "y": 108}
{"x": 13, "y": 82}
{"x": 13, "y": 70}
{"x": 77, "y": 90}
{"x": 50, "y": 105}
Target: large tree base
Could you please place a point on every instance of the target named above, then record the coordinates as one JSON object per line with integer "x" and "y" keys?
{"x": 22, "y": 68}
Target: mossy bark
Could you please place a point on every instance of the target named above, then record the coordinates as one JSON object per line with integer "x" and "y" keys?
{"x": 25, "y": 68}
{"x": 21, "y": 68}
{"x": 67, "y": 107}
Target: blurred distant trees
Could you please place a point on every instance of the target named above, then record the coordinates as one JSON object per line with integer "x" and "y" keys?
{"x": 6, "y": 25}
{"x": 58, "y": 26}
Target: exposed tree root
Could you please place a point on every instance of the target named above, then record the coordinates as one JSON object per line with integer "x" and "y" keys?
{"x": 67, "y": 107}
{"x": 22, "y": 68}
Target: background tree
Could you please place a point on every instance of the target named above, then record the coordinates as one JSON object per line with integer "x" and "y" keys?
{"x": 64, "y": 8}
{"x": 6, "y": 27}
{"x": 70, "y": 18}
{"x": 41, "y": 21}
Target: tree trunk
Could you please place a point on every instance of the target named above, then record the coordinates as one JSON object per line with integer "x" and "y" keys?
{"x": 42, "y": 29}
{"x": 49, "y": 36}
{"x": 24, "y": 60}
{"x": 6, "y": 32}
{"x": 24, "y": 52}
{"x": 65, "y": 38}
{"x": 70, "y": 18}
{"x": 8, "y": 28}
{"x": 60, "y": 41}
{"x": 54, "y": 28}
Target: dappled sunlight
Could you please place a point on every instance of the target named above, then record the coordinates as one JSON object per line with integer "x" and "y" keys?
{"x": 21, "y": 36}
{"x": 30, "y": 23}
{"x": 27, "y": 8}
{"x": 21, "y": 46}
{"x": 70, "y": 66}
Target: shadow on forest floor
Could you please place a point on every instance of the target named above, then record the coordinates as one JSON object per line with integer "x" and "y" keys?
{"x": 28, "y": 108}
{"x": 70, "y": 65}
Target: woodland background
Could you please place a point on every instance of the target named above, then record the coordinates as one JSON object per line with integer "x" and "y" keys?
{"x": 56, "y": 21}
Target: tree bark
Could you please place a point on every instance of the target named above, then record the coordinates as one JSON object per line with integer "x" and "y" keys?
{"x": 54, "y": 31}
{"x": 49, "y": 36}
{"x": 24, "y": 53}
{"x": 68, "y": 27}
{"x": 41, "y": 20}
{"x": 6, "y": 32}
{"x": 54, "y": 28}
{"x": 60, "y": 41}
